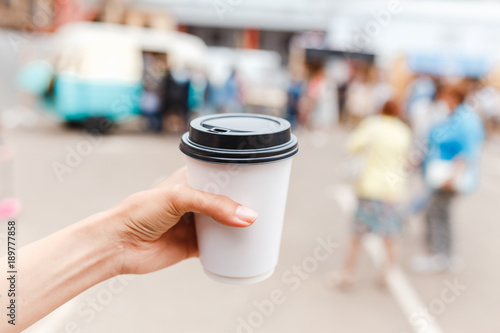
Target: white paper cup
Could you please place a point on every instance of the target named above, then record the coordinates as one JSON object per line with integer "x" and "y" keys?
{"x": 242, "y": 255}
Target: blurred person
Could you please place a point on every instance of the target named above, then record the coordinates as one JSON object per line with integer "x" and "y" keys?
{"x": 294, "y": 93}
{"x": 382, "y": 90}
{"x": 310, "y": 93}
{"x": 424, "y": 114}
{"x": 486, "y": 100}
{"x": 154, "y": 69}
{"x": 360, "y": 100}
{"x": 174, "y": 103}
{"x": 400, "y": 76}
{"x": 339, "y": 70}
{"x": 215, "y": 97}
{"x": 421, "y": 88}
{"x": 226, "y": 96}
{"x": 325, "y": 114}
{"x": 384, "y": 140}
{"x": 197, "y": 94}
{"x": 233, "y": 94}
{"x": 451, "y": 167}
{"x": 342, "y": 96}
{"x": 146, "y": 232}
{"x": 318, "y": 106}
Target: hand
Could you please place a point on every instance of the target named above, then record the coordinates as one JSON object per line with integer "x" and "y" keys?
{"x": 155, "y": 229}
{"x": 448, "y": 186}
{"x": 144, "y": 233}
{"x": 458, "y": 170}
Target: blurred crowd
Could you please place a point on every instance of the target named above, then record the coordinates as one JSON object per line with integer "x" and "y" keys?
{"x": 171, "y": 97}
{"x": 347, "y": 91}
{"x": 433, "y": 127}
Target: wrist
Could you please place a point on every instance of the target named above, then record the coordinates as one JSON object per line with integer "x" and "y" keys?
{"x": 100, "y": 233}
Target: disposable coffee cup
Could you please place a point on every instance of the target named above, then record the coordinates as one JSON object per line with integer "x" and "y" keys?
{"x": 248, "y": 158}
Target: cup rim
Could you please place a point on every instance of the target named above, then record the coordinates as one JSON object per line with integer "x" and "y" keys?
{"x": 239, "y": 147}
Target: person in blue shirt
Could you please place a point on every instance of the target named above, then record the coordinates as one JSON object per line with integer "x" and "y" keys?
{"x": 451, "y": 167}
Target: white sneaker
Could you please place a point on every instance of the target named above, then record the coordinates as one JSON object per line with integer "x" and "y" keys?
{"x": 430, "y": 264}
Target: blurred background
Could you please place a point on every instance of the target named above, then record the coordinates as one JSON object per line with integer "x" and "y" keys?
{"x": 94, "y": 96}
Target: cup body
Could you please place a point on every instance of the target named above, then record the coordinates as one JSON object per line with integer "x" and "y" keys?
{"x": 242, "y": 255}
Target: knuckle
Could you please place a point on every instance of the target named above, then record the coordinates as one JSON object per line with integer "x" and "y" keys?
{"x": 168, "y": 196}
{"x": 172, "y": 197}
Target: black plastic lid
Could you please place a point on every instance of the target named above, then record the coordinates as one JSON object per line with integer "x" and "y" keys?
{"x": 239, "y": 139}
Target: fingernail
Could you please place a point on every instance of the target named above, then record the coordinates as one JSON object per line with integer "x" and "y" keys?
{"x": 246, "y": 214}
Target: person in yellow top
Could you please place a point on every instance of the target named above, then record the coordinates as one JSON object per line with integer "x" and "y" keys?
{"x": 384, "y": 141}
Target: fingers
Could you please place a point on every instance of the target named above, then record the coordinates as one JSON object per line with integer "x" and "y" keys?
{"x": 185, "y": 199}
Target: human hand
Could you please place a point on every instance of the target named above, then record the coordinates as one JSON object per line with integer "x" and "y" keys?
{"x": 144, "y": 233}
{"x": 457, "y": 173}
{"x": 448, "y": 186}
{"x": 154, "y": 229}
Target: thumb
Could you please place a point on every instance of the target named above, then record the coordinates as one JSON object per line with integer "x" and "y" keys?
{"x": 185, "y": 199}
